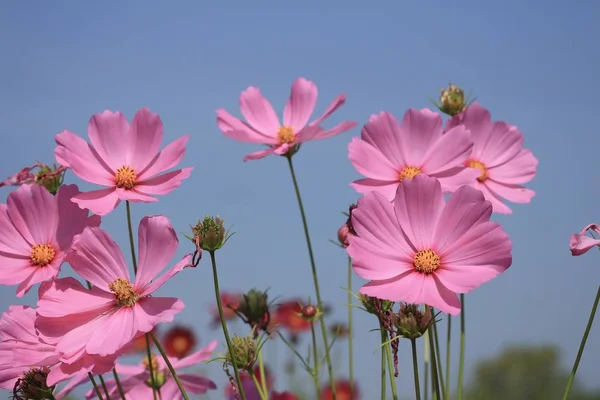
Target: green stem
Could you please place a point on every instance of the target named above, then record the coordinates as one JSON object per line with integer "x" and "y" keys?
{"x": 118, "y": 383}
{"x": 315, "y": 278}
{"x": 315, "y": 372}
{"x": 104, "y": 387}
{"x": 170, "y": 366}
{"x": 440, "y": 372}
{"x": 461, "y": 366}
{"x": 448, "y": 342}
{"x": 96, "y": 389}
{"x": 383, "y": 359}
{"x": 131, "y": 241}
{"x": 261, "y": 367}
{"x": 134, "y": 262}
{"x": 260, "y": 391}
{"x": 582, "y": 345}
{"x": 426, "y": 364}
{"x": 390, "y": 367}
{"x": 350, "y": 331}
{"x": 150, "y": 367}
{"x": 224, "y": 326}
{"x": 413, "y": 344}
{"x": 434, "y": 371}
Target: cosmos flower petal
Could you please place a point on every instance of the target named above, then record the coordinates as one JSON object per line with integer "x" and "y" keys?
{"x": 100, "y": 202}
{"x": 71, "y": 219}
{"x": 196, "y": 357}
{"x": 170, "y": 156}
{"x": 419, "y": 204}
{"x": 259, "y": 112}
{"x": 260, "y": 154}
{"x": 513, "y": 193}
{"x": 370, "y": 162}
{"x": 165, "y": 183}
{"x": 118, "y": 329}
{"x": 36, "y": 275}
{"x": 497, "y": 204}
{"x": 406, "y": 286}
{"x": 67, "y": 296}
{"x": 143, "y": 139}
{"x": 320, "y": 134}
{"x": 108, "y": 134}
{"x": 97, "y": 258}
{"x": 12, "y": 243}
{"x": 157, "y": 243}
{"x": 153, "y": 286}
{"x": 448, "y": 151}
{"x": 150, "y": 311}
{"x": 75, "y": 153}
{"x": 439, "y": 296}
{"x": 339, "y": 101}
{"x": 519, "y": 170}
{"x": 300, "y": 105}
{"x": 236, "y": 129}
{"x": 428, "y": 124}
{"x": 385, "y": 188}
{"x": 34, "y": 213}
{"x": 196, "y": 384}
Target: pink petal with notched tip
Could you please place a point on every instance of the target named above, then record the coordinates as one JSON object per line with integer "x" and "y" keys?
{"x": 385, "y": 188}
{"x": 97, "y": 258}
{"x": 167, "y": 158}
{"x": 259, "y": 112}
{"x": 34, "y": 213}
{"x": 370, "y": 162}
{"x": 108, "y": 134}
{"x": 144, "y": 139}
{"x": 300, "y": 105}
{"x": 165, "y": 183}
{"x": 239, "y": 130}
{"x": 100, "y": 202}
{"x": 447, "y": 151}
{"x": 71, "y": 219}
{"x": 157, "y": 243}
{"x": 419, "y": 129}
{"x": 74, "y": 152}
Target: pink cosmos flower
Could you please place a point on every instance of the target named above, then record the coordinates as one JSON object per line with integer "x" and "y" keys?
{"x": 263, "y": 125}
{"x": 101, "y": 321}
{"x": 136, "y": 388}
{"x": 580, "y": 243}
{"x": 388, "y": 152}
{"x": 499, "y": 157}
{"x": 26, "y": 177}
{"x": 22, "y": 350}
{"x": 36, "y": 230}
{"x": 420, "y": 249}
{"x": 127, "y": 159}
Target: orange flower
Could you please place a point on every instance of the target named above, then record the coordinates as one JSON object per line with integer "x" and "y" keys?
{"x": 179, "y": 341}
{"x": 230, "y": 302}
{"x": 342, "y": 391}
{"x": 288, "y": 316}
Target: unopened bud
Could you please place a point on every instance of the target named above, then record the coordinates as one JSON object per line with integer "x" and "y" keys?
{"x": 343, "y": 235}
{"x": 375, "y": 306}
{"x": 411, "y": 322}
{"x": 452, "y": 100}
{"x": 158, "y": 376}
{"x": 244, "y": 352}
{"x": 254, "y": 310}
{"x": 50, "y": 178}
{"x": 210, "y": 233}
{"x": 32, "y": 385}
{"x": 309, "y": 312}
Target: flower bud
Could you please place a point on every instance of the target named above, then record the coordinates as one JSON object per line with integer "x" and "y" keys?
{"x": 253, "y": 308}
{"x": 50, "y": 178}
{"x": 452, "y": 100}
{"x": 158, "y": 375}
{"x": 339, "y": 329}
{"x": 210, "y": 233}
{"x": 32, "y": 385}
{"x": 411, "y": 322}
{"x": 244, "y": 352}
{"x": 343, "y": 235}
{"x": 375, "y": 306}
{"x": 309, "y": 311}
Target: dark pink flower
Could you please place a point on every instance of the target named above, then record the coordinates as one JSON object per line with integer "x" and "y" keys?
{"x": 580, "y": 243}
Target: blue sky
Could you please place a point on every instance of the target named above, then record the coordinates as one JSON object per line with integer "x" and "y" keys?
{"x": 533, "y": 64}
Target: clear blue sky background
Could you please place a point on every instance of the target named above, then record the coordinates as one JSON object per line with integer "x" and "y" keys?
{"x": 533, "y": 64}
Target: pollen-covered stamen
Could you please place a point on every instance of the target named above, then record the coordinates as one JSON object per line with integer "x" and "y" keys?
{"x": 125, "y": 178}
{"x": 155, "y": 365}
{"x": 124, "y": 293}
{"x": 286, "y": 135}
{"x": 42, "y": 255}
{"x": 426, "y": 261}
{"x": 481, "y": 167}
{"x": 409, "y": 173}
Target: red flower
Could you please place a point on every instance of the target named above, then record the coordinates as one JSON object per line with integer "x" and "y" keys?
{"x": 283, "y": 396}
{"x": 288, "y": 316}
{"x": 179, "y": 341}
{"x": 342, "y": 391}
{"x": 230, "y": 302}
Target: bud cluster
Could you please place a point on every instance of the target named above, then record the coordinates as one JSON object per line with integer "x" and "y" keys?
{"x": 253, "y": 309}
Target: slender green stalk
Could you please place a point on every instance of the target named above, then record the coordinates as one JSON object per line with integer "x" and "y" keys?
{"x": 131, "y": 241}
{"x": 461, "y": 366}
{"x": 170, "y": 366}
{"x": 383, "y": 359}
{"x": 426, "y": 365}
{"x": 350, "y": 331}
{"x": 118, "y": 383}
{"x": 448, "y": 343}
{"x": 134, "y": 262}
{"x": 261, "y": 368}
{"x": 150, "y": 367}
{"x": 96, "y": 389}
{"x": 413, "y": 344}
{"x": 104, "y": 387}
{"x": 390, "y": 367}
{"x": 434, "y": 370}
{"x": 315, "y": 372}
{"x": 440, "y": 372}
{"x": 238, "y": 380}
{"x": 315, "y": 278}
{"x": 582, "y": 345}
{"x": 259, "y": 389}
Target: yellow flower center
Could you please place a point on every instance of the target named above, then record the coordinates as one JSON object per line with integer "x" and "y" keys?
{"x": 125, "y": 177}
{"x": 426, "y": 261}
{"x": 409, "y": 173}
{"x": 180, "y": 344}
{"x": 124, "y": 293}
{"x": 481, "y": 167}
{"x": 154, "y": 363}
{"x": 42, "y": 255}
{"x": 286, "y": 135}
